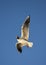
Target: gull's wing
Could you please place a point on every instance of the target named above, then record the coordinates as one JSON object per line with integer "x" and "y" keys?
{"x": 19, "y": 48}
{"x": 25, "y": 28}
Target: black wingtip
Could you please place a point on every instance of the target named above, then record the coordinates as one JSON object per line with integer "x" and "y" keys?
{"x": 27, "y": 20}
{"x": 19, "y": 48}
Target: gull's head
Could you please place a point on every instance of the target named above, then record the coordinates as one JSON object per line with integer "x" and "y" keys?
{"x": 17, "y": 37}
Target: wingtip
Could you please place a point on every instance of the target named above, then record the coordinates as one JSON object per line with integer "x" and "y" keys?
{"x": 28, "y": 16}
{"x": 27, "y": 20}
{"x": 19, "y": 48}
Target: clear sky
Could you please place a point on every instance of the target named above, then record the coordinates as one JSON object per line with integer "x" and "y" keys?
{"x": 12, "y": 16}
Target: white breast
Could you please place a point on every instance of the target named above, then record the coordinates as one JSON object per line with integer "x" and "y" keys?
{"x": 22, "y": 41}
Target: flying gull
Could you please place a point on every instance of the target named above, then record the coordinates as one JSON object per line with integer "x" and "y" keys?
{"x": 23, "y": 40}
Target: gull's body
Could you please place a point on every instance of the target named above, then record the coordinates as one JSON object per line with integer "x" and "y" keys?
{"x": 23, "y": 40}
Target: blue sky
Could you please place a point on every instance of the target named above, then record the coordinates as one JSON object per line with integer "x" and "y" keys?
{"x": 12, "y": 16}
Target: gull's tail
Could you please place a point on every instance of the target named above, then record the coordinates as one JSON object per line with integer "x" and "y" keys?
{"x": 29, "y": 44}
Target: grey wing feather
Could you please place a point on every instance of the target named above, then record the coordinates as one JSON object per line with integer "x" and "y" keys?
{"x": 25, "y": 28}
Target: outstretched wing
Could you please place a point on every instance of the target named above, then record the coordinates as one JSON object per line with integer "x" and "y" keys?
{"x": 25, "y": 28}
{"x": 19, "y": 48}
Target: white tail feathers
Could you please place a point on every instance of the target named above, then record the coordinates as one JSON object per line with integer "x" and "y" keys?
{"x": 30, "y": 44}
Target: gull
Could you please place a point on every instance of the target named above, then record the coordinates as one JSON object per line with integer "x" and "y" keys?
{"x": 23, "y": 40}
